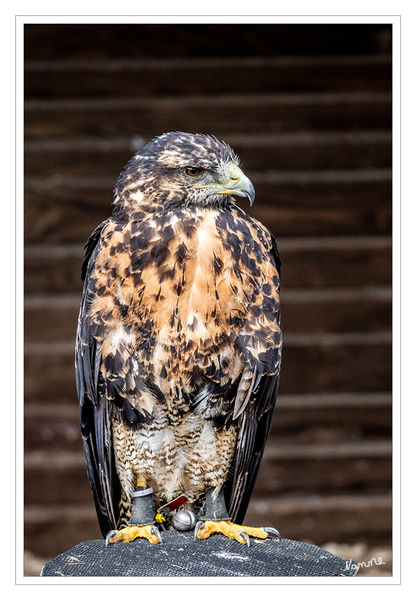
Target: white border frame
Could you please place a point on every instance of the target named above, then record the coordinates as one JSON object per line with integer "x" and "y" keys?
{"x": 21, "y": 20}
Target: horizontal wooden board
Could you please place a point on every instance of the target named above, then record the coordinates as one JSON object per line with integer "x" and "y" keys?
{"x": 301, "y": 419}
{"x": 54, "y": 318}
{"x": 54, "y": 41}
{"x": 105, "y": 156}
{"x": 346, "y": 518}
{"x": 332, "y": 417}
{"x": 135, "y": 77}
{"x": 214, "y": 114}
{"x": 312, "y": 363}
{"x": 49, "y": 531}
{"x": 66, "y": 209}
{"x": 336, "y": 363}
{"x": 325, "y": 468}
{"x": 329, "y": 310}
{"x": 306, "y": 262}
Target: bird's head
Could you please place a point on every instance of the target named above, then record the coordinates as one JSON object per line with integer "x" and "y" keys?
{"x": 180, "y": 168}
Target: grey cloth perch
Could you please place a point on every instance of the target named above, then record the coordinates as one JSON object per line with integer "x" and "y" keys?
{"x": 181, "y": 556}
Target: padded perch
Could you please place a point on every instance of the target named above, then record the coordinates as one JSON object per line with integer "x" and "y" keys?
{"x": 180, "y": 555}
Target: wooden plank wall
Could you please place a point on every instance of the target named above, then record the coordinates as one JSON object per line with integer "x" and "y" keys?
{"x": 308, "y": 108}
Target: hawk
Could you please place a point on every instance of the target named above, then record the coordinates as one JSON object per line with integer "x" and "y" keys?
{"x": 179, "y": 340}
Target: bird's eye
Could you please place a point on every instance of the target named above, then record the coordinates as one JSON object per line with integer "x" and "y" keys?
{"x": 193, "y": 171}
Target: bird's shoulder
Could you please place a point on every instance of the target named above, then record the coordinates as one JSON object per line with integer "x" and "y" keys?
{"x": 252, "y": 245}
{"x": 238, "y": 226}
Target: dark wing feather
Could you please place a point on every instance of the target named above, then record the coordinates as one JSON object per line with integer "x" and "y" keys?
{"x": 95, "y": 418}
{"x": 254, "y": 425}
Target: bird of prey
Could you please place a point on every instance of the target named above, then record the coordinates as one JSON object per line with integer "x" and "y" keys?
{"x": 179, "y": 340}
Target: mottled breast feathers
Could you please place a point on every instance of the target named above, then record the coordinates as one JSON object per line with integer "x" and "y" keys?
{"x": 181, "y": 301}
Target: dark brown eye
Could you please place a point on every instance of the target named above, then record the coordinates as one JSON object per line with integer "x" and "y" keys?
{"x": 193, "y": 171}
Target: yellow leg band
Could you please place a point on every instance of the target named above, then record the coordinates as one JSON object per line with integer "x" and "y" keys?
{"x": 140, "y": 481}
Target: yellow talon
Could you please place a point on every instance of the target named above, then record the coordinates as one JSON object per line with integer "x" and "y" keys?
{"x": 130, "y": 533}
{"x": 230, "y": 530}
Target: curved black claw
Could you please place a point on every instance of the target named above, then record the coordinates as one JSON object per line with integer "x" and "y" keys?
{"x": 245, "y": 537}
{"x": 197, "y": 528}
{"x": 110, "y": 534}
{"x": 273, "y": 531}
{"x": 156, "y": 532}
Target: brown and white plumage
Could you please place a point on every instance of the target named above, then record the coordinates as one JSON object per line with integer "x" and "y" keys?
{"x": 179, "y": 341}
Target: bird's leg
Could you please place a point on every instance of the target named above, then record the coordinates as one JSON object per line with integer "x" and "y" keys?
{"x": 142, "y": 519}
{"x": 214, "y": 518}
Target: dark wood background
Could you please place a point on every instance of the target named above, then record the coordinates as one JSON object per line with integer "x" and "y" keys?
{"x": 308, "y": 108}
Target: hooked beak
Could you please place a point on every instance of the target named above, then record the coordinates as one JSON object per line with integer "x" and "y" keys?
{"x": 234, "y": 184}
{"x": 244, "y": 188}
{"x": 239, "y": 184}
